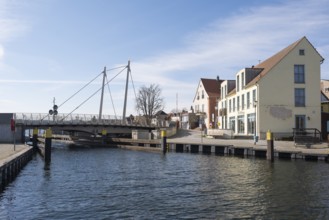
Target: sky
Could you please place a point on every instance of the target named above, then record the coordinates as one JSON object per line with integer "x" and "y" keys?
{"x": 52, "y": 48}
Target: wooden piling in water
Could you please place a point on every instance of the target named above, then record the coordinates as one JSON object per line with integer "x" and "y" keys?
{"x": 270, "y": 146}
{"x": 48, "y": 145}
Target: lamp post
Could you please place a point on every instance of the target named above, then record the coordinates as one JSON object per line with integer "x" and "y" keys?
{"x": 216, "y": 116}
{"x": 53, "y": 111}
{"x": 255, "y": 136}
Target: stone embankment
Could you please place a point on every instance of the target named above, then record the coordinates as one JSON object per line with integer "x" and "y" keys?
{"x": 12, "y": 160}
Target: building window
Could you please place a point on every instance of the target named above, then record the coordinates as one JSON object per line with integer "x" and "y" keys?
{"x": 232, "y": 124}
{"x": 233, "y": 104}
{"x": 238, "y": 103}
{"x": 229, "y": 105}
{"x": 299, "y": 73}
{"x": 251, "y": 123}
{"x": 237, "y": 83}
{"x": 248, "y": 100}
{"x": 225, "y": 91}
{"x": 202, "y": 108}
{"x": 254, "y": 96}
{"x": 198, "y": 96}
{"x": 242, "y": 80}
{"x": 300, "y": 121}
{"x": 241, "y": 124}
{"x": 242, "y": 102}
{"x": 301, "y": 52}
{"x": 202, "y": 94}
{"x": 300, "y": 97}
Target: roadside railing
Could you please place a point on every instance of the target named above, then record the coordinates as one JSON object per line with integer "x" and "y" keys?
{"x": 306, "y": 136}
{"x": 40, "y": 119}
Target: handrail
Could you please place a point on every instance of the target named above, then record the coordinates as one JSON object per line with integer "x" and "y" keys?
{"x": 307, "y": 135}
{"x": 42, "y": 119}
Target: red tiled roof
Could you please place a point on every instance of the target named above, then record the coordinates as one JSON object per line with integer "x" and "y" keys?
{"x": 268, "y": 64}
{"x": 212, "y": 86}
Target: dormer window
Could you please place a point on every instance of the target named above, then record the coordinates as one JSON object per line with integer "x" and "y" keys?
{"x": 301, "y": 52}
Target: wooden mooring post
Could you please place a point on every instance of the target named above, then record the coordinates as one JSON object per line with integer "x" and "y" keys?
{"x": 35, "y": 139}
{"x": 164, "y": 141}
{"x": 48, "y": 145}
{"x": 270, "y": 146}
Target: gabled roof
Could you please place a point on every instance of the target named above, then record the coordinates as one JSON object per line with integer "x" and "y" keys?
{"x": 159, "y": 113}
{"x": 268, "y": 64}
{"x": 212, "y": 86}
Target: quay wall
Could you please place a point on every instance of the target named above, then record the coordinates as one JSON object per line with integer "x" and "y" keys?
{"x": 10, "y": 167}
{"x": 255, "y": 151}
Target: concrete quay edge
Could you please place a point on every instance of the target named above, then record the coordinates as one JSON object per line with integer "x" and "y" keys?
{"x": 8, "y": 154}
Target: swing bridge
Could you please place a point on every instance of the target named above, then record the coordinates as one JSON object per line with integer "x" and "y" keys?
{"x": 92, "y": 124}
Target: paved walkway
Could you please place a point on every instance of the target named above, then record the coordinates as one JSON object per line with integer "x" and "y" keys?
{"x": 7, "y": 151}
{"x": 194, "y": 136}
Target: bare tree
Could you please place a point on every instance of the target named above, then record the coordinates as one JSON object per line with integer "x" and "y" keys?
{"x": 149, "y": 101}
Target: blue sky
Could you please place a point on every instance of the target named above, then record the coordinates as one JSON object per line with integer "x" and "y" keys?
{"x": 51, "y": 48}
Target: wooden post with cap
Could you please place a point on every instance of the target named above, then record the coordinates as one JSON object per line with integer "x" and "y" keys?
{"x": 35, "y": 139}
{"x": 270, "y": 146}
{"x": 48, "y": 145}
{"x": 104, "y": 134}
{"x": 164, "y": 141}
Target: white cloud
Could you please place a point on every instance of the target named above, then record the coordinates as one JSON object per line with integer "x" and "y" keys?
{"x": 227, "y": 45}
{"x": 220, "y": 48}
{"x": 14, "y": 81}
{"x": 1, "y": 51}
{"x": 10, "y": 25}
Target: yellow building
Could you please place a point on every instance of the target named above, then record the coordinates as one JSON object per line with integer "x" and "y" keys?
{"x": 278, "y": 94}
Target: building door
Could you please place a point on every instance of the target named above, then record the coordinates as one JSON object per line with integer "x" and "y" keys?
{"x": 300, "y": 121}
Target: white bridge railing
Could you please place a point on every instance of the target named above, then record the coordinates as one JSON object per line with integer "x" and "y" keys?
{"x": 73, "y": 119}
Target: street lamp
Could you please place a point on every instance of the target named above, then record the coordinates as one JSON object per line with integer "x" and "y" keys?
{"x": 216, "y": 116}
{"x": 255, "y": 136}
{"x": 53, "y": 111}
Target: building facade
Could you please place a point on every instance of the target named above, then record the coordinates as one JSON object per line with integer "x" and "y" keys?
{"x": 278, "y": 94}
{"x": 205, "y": 102}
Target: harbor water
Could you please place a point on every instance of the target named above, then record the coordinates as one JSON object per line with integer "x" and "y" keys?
{"x": 107, "y": 183}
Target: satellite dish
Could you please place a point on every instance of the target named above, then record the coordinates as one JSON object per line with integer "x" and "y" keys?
{"x": 55, "y": 112}
{"x": 55, "y": 107}
{"x": 51, "y": 112}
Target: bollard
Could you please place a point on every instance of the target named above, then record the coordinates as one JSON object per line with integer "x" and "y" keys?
{"x": 104, "y": 133}
{"x": 270, "y": 146}
{"x": 35, "y": 138}
{"x": 164, "y": 141}
{"x": 48, "y": 145}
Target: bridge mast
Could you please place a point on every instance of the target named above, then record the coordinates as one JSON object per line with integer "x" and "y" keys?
{"x": 126, "y": 92}
{"x": 102, "y": 95}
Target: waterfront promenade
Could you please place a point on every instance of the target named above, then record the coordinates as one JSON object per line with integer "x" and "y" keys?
{"x": 7, "y": 152}
{"x": 195, "y": 137}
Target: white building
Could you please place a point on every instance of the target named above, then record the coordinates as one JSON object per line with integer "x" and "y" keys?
{"x": 205, "y": 101}
{"x": 278, "y": 94}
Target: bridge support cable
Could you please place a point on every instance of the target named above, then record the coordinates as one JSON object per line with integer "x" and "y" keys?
{"x": 92, "y": 95}
{"x": 132, "y": 82}
{"x": 119, "y": 67}
{"x": 108, "y": 87}
{"x": 126, "y": 93}
{"x": 102, "y": 96}
{"x": 76, "y": 93}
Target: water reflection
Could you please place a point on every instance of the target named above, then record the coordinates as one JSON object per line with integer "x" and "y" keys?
{"x": 86, "y": 183}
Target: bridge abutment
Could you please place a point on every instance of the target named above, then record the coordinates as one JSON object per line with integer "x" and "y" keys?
{"x": 7, "y": 135}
